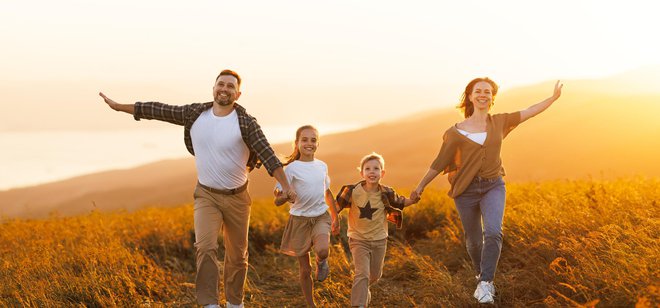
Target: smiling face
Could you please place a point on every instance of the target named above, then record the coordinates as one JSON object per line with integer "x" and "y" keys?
{"x": 372, "y": 171}
{"x": 482, "y": 95}
{"x": 225, "y": 90}
{"x": 307, "y": 143}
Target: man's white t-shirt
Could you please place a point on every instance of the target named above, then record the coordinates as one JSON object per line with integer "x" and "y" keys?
{"x": 220, "y": 153}
{"x": 310, "y": 180}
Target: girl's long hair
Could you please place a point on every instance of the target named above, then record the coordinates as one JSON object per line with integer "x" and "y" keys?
{"x": 466, "y": 105}
{"x": 296, "y": 153}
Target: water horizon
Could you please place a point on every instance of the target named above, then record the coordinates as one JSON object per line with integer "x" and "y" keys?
{"x": 31, "y": 158}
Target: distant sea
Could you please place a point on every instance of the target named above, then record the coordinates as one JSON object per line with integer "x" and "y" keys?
{"x": 33, "y": 158}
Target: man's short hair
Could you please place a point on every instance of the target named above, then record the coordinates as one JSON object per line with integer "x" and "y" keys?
{"x": 230, "y": 73}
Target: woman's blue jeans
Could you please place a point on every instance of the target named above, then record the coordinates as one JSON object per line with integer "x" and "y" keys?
{"x": 481, "y": 208}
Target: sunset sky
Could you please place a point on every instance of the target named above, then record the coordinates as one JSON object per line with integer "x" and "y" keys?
{"x": 303, "y": 61}
{"x": 334, "y": 64}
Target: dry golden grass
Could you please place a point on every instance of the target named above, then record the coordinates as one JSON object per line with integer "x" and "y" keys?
{"x": 566, "y": 243}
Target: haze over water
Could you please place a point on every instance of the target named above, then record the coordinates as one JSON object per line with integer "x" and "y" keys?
{"x": 32, "y": 158}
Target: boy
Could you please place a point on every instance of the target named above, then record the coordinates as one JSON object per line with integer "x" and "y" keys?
{"x": 370, "y": 205}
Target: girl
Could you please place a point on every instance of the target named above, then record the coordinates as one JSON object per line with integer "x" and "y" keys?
{"x": 309, "y": 222}
{"x": 470, "y": 153}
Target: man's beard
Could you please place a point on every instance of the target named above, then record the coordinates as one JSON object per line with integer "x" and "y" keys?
{"x": 224, "y": 101}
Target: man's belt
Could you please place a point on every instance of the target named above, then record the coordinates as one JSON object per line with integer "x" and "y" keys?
{"x": 232, "y": 191}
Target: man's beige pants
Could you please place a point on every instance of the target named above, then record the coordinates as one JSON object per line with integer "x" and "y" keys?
{"x": 368, "y": 257}
{"x": 231, "y": 213}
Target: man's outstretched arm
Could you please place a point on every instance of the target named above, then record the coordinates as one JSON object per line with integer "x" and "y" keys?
{"x": 153, "y": 110}
{"x": 128, "y": 108}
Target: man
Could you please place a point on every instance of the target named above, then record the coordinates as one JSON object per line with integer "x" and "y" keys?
{"x": 227, "y": 144}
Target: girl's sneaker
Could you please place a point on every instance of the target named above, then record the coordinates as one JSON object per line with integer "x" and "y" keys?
{"x": 322, "y": 270}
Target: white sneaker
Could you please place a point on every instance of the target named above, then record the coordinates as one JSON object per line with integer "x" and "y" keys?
{"x": 491, "y": 285}
{"x": 485, "y": 292}
{"x": 211, "y": 306}
{"x": 230, "y": 305}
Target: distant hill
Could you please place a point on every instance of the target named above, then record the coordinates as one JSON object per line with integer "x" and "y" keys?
{"x": 164, "y": 183}
{"x": 598, "y": 128}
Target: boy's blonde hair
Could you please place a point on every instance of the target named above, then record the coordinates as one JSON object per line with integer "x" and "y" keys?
{"x": 372, "y": 156}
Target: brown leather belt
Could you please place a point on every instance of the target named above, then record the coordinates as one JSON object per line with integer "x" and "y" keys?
{"x": 232, "y": 191}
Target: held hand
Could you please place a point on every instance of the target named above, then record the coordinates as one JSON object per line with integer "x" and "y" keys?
{"x": 280, "y": 198}
{"x": 557, "y": 92}
{"x": 335, "y": 226}
{"x": 415, "y": 196}
{"x": 290, "y": 195}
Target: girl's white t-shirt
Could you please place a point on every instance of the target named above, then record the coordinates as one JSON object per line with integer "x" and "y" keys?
{"x": 310, "y": 180}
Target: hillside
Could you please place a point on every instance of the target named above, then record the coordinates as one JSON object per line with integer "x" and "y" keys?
{"x": 595, "y": 130}
{"x": 566, "y": 244}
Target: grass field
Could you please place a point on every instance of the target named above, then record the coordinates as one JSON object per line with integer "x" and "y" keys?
{"x": 566, "y": 243}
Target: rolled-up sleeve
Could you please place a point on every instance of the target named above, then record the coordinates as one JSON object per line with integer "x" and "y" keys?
{"x": 444, "y": 162}
{"x": 344, "y": 197}
{"x": 259, "y": 144}
{"x": 159, "y": 111}
{"x": 511, "y": 121}
{"x": 395, "y": 199}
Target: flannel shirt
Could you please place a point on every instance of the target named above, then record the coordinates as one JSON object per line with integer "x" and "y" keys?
{"x": 393, "y": 202}
{"x": 260, "y": 150}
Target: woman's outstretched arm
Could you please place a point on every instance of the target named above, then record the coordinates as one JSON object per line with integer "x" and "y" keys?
{"x": 540, "y": 107}
{"x": 416, "y": 194}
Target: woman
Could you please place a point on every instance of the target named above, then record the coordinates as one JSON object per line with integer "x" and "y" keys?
{"x": 470, "y": 154}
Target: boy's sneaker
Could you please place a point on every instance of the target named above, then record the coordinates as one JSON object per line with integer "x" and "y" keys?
{"x": 485, "y": 292}
{"x": 322, "y": 270}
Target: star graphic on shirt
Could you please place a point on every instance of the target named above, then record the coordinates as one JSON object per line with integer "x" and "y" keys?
{"x": 366, "y": 211}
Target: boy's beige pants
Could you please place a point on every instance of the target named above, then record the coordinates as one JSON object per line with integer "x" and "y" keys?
{"x": 368, "y": 257}
{"x": 231, "y": 214}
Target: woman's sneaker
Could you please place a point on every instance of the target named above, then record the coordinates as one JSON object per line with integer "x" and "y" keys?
{"x": 485, "y": 292}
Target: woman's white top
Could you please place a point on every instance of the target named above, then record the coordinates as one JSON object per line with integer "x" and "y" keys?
{"x": 479, "y": 138}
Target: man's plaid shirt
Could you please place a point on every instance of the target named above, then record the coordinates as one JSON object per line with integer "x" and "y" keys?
{"x": 260, "y": 150}
{"x": 393, "y": 202}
